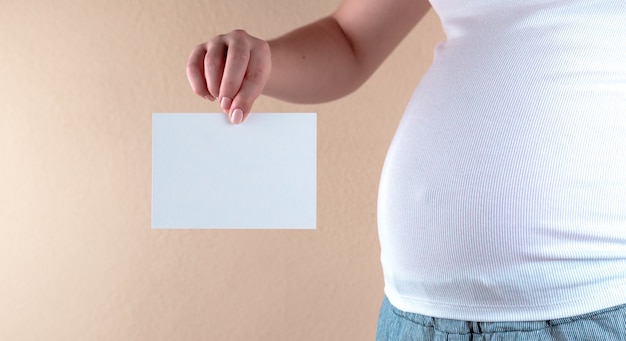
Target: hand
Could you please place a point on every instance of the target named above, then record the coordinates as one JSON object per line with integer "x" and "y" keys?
{"x": 232, "y": 68}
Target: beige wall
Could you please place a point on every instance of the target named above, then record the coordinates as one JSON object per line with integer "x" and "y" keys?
{"x": 78, "y": 260}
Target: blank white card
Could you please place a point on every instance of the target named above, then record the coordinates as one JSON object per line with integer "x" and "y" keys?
{"x": 209, "y": 173}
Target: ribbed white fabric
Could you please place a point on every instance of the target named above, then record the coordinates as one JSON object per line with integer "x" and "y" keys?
{"x": 503, "y": 195}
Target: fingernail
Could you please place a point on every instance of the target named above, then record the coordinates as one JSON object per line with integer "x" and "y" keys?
{"x": 209, "y": 97}
{"x": 226, "y": 102}
{"x": 237, "y": 116}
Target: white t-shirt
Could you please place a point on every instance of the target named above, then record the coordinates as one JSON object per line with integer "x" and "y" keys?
{"x": 503, "y": 195}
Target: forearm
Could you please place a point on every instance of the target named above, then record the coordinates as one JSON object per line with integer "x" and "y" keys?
{"x": 315, "y": 63}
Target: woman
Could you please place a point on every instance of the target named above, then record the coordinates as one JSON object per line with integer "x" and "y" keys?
{"x": 502, "y": 208}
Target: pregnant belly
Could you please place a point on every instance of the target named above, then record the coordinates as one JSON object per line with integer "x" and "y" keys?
{"x": 483, "y": 176}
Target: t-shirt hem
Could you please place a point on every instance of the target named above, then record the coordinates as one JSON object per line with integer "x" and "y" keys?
{"x": 606, "y": 299}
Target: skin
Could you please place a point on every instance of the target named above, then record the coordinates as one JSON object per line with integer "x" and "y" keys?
{"x": 335, "y": 55}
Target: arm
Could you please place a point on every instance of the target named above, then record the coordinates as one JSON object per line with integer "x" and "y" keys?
{"x": 319, "y": 62}
{"x": 334, "y": 56}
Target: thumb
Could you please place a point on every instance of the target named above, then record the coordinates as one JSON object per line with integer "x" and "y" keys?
{"x": 242, "y": 103}
{"x": 254, "y": 81}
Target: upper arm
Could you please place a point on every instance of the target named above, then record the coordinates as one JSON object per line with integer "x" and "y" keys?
{"x": 375, "y": 27}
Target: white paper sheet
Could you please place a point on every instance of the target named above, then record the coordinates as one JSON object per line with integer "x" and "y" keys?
{"x": 209, "y": 173}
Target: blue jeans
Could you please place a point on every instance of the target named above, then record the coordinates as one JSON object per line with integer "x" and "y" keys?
{"x": 603, "y": 325}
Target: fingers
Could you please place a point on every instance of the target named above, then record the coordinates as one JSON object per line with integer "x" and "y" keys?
{"x": 233, "y": 68}
{"x": 205, "y": 68}
{"x": 196, "y": 74}
{"x": 214, "y": 61}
